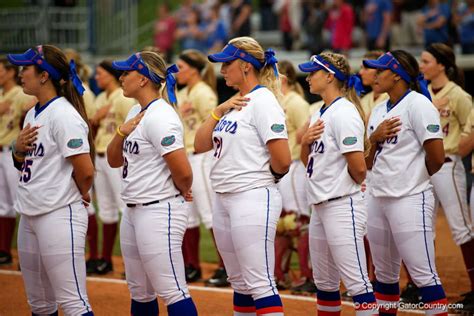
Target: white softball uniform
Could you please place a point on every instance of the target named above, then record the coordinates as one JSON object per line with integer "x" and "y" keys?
{"x": 293, "y": 189}
{"x": 8, "y": 183}
{"x": 155, "y": 219}
{"x": 241, "y": 158}
{"x": 107, "y": 188}
{"x": 401, "y": 199}
{"x": 248, "y": 204}
{"x": 339, "y": 213}
{"x": 53, "y": 225}
{"x": 203, "y": 194}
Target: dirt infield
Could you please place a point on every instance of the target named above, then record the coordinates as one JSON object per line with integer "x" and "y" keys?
{"x": 109, "y": 295}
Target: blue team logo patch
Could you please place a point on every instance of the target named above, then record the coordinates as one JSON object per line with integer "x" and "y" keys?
{"x": 433, "y": 128}
{"x": 351, "y": 140}
{"x": 75, "y": 143}
{"x": 168, "y": 140}
{"x": 278, "y": 128}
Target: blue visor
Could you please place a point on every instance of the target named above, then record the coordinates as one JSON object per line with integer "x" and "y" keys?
{"x": 135, "y": 62}
{"x": 318, "y": 63}
{"x": 387, "y": 61}
{"x": 230, "y": 53}
{"x": 34, "y": 57}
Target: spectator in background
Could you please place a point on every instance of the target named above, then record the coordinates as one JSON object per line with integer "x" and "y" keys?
{"x": 377, "y": 17}
{"x": 165, "y": 27}
{"x": 289, "y": 12}
{"x": 314, "y": 26}
{"x": 181, "y": 15}
{"x": 434, "y": 22}
{"x": 410, "y": 13}
{"x": 191, "y": 35}
{"x": 464, "y": 18}
{"x": 215, "y": 33}
{"x": 268, "y": 18}
{"x": 240, "y": 11}
{"x": 340, "y": 22}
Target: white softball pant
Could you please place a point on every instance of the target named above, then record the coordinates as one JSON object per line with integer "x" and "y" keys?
{"x": 9, "y": 177}
{"x": 336, "y": 243}
{"x": 203, "y": 195}
{"x": 150, "y": 239}
{"x": 293, "y": 189}
{"x": 51, "y": 251}
{"x": 401, "y": 228}
{"x": 450, "y": 188}
{"x": 107, "y": 188}
{"x": 244, "y": 226}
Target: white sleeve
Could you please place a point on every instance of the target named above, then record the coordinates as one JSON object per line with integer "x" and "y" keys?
{"x": 269, "y": 119}
{"x": 349, "y": 132}
{"x": 424, "y": 119}
{"x": 165, "y": 133}
{"x": 133, "y": 112}
{"x": 71, "y": 134}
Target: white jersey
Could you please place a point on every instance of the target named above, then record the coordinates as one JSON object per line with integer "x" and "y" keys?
{"x": 241, "y": 157}
{"x": 46, "y": 182}
{"x": 399, "y": 165}
{"x": 146, "y": 176}
{"x": 327, "y": 170}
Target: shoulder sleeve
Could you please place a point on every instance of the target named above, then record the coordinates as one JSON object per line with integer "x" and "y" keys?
{"x": 424, "y": 119}
{"x": 349, "y": 131}
{"x": 463, "y": 109}
{"x": 205, "y": 102}
{"x": 70, "y": 133}
{"x": 164, "y": 131}
{"x": 269, "y": 119}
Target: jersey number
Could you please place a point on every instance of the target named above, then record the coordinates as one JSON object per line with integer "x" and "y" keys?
{"x": 25, "y": 175}
{"x": 125, "y": 168}
{"x": 309, "y": 169}
{"x": 218, "y": 141}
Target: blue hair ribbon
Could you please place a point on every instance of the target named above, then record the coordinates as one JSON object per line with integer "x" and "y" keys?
{"x": 171, "y": 82}
{"x": 76, "y": 81}
{"x": 270, "y": 59}
{"x": 423, "y": 86}
{"x": 355, "y": 82}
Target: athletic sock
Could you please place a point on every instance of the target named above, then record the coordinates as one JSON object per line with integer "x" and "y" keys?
{"x": 468, "y": 256}
{"x": 144, "y": 309}
{"x": 92, "y": 237}
{"x": 184, "y": 307}
{"x": 329, "y": 303}
{"x": 365, "y": 304}
{"x": 434, "y": 300}
{"x": 387, "y": 295}
{"x": 244, "y": 305}
{"x": 270, "y": 305}
{"x": 109, "y": 233}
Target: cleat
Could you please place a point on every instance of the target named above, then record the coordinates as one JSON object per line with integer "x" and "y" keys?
{"x": 192, "y": 274}
{"x": 306, "y": 288}
{"x": 104, "y": 267}
{"x": 5, "y": 258}
{"x": 410, "y": 294}
{"x": 219, "y": 279}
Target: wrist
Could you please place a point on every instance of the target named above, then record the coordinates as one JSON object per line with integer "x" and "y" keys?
{"x": 120, "y": 133}
{"x": 216, "y": 116}
{"x": 16, "y": 152}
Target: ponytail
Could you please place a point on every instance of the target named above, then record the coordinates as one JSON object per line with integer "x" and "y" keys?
{"x": 352, "y": 95}
{"x": 209, "y": 77}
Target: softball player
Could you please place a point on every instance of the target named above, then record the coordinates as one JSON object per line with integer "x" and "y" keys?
{"x": 196, "y": 101}
{"x": 53, "y": 155}
{"x": 13, "y": 105}
{"x": 335, "y": 170}
{"x": 250, "y": 152}
{"x": 113, "y": 108}
{"x": 438, "y": 65}
{"x": 156, "y": 175}
{"x": 292, "y": 189}
{"x": 406, "y": 150}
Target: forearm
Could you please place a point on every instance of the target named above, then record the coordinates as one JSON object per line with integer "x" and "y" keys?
{"x": 114, "y": 152}
{"x": 304, "y": 154}
{"x": 432, "y": 166}
{"x": 83, "y": 181}
{"x": 203, "y": 139}
{"x": 369, "y": 160}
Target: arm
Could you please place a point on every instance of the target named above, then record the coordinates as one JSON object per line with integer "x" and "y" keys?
{"x": 387, "y": 22}
{"x": 434, "y": 155}
{"x": 244, "y": 14}
{"x": 180, "y": 168}
{"x": 4, "y": 107}
{"x": 203, "y": 139}
{"x": 83, "y": 173}
{"x": 309, "y": 136}
{"x": 388, "y": 128}
{"x": 114, "y": 149}
{"x": 280, "y": 157}
{"x": 466, "y": 145}
{"x": 356, "y": 165}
